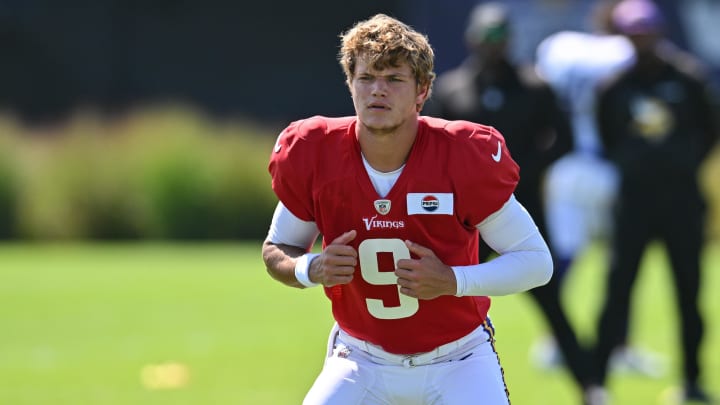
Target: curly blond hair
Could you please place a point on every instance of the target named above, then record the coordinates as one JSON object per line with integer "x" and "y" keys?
{"x": 387, "y": 42}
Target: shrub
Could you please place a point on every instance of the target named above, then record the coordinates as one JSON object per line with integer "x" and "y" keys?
{"x": 162, "y": 173}
{"x": 157, "y": 173}
{"x": 8, "y": 197}
{"x": 10, "y": 181}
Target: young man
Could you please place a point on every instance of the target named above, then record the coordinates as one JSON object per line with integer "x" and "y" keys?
{"x": 401, "y": 201}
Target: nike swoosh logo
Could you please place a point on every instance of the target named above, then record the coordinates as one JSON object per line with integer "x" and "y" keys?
{"x": 497, "y": 155}
{"x": 278, "y": 145}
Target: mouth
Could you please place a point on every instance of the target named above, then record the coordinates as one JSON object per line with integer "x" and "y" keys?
{"x": 378, "y": 107}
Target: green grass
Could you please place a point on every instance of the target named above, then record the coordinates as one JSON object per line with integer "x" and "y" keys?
{"x": 78, "y": 322}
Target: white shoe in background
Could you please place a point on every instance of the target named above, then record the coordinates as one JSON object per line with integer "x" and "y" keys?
{"x": 545, "y": 355}
{"x": 596, "y": 395}
{"x": 634, "y": 360}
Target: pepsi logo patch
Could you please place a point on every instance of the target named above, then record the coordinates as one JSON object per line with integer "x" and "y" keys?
{"x": 430, "y": 204}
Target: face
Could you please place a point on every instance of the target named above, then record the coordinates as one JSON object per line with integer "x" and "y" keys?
{"x": 645, "y": 43}
{"x": 492, "y": 52}
{"x": 385, "y": 99}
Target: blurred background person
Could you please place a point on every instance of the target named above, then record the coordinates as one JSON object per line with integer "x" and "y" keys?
{"x": 580, "y": 187}
{"x": 489, "y": 87}
{"x": 656, "y": 123}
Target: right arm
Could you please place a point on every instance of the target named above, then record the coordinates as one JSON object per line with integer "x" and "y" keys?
{"x": 286, "y": 257}
{"x": 280, "y": 261}
{"x": 289, "y": 238}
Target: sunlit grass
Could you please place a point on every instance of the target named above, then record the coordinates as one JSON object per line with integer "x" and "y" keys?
{"x": 80, "y": 322}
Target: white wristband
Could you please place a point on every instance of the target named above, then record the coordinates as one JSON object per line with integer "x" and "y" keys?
{"x": 302, "y": 269}
{"x": 460, "y": 280}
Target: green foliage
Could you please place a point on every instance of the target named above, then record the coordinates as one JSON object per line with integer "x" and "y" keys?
{"x": 217, "y": 189}
{"x": 9, "y": 192}
{"x": 710, "y": 183}
{"x": 160, "y": 173}
{"x": 156, "y": 173}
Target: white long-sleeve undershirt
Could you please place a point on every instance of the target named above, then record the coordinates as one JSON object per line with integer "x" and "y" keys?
{"x": 524, "y": 260}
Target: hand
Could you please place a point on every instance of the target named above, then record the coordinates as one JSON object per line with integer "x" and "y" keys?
{"x": 424, "y": 278}
{"x": 336, "y": 264}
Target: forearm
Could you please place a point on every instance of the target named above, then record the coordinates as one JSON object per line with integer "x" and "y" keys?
{"x": 280, "y": 261}
{"x": 283, "y": 247}
{"x": 524, "y": 262}
{"x": 510, "y": 273}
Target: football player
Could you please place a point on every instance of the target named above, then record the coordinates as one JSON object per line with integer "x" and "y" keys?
{"x": 400, "y": 201}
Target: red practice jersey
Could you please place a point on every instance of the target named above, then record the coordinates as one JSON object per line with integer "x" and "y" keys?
{"x": 456, "y": 175}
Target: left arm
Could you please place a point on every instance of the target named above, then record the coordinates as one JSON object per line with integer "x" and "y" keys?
{"x": 524, "y": 262}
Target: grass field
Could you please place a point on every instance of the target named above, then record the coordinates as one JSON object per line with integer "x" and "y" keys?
{"x": 204, "y": 324}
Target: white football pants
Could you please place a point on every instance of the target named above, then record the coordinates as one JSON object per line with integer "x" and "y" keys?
{"x": 358, "y": 373}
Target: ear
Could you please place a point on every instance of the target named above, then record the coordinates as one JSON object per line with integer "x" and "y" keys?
{"x": 422, "y": 95}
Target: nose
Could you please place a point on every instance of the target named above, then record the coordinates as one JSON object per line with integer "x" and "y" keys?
{"x": 379, "y": 88}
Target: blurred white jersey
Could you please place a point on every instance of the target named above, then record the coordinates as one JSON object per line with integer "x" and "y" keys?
{"x": 575, "y": 63}
{"x": 580, "y": 188}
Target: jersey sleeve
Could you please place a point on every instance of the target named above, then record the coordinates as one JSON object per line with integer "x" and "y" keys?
{"x": 486, "y": 174}
{"x": 291, "y": 172}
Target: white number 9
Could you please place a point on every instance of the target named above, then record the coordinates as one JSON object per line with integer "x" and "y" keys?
{"x": 368, "y": 250}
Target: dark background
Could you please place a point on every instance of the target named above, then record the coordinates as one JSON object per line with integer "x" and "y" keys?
{"x": 266, "y": 59}
{"x": 272, "y": 60}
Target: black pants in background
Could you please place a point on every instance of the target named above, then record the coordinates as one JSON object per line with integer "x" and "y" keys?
{"x": 676, "y": 220}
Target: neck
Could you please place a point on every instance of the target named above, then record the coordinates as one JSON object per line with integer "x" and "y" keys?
{"x": 488, "y": 69}
{"x": 387, "y": 150}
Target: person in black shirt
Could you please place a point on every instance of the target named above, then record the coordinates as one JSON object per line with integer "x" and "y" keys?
{"x": 657, "y": 125}
{"x": 488, "y": 87}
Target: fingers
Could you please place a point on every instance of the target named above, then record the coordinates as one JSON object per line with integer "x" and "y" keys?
{"x": 339, "y": 246}
{"x": 344, "y": 256}
{"x": 337, "y": 279}
{"x": 339, "y": 253}
{"x": 345, "y": 238}
{"x": 419, "y": 250}
{"x": 425, "y": 277}
{"x": 407, "y": 287}
{"x": 338, "y": 260}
